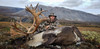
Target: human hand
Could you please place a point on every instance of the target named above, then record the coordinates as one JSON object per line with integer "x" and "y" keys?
{"x": 47, "y": 27}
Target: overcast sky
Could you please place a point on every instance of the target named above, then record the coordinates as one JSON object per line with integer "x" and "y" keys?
{"x": 90, "y": 6}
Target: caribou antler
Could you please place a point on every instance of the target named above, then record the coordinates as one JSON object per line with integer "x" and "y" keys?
{"x": 36, "y": 18}
{"x": 36, "y": 15}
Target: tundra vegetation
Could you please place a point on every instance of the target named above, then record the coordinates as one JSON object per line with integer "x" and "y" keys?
{"x": 91, "y": 35}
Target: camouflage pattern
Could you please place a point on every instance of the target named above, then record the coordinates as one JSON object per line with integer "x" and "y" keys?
{"x": 52, "y": 25}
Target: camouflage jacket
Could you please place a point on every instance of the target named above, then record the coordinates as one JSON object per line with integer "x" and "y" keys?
{"x": 52, "y": 25}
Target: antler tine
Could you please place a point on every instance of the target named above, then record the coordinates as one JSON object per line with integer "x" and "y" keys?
{"x": 20, "y": 23}
{"x": 27, "y": 9}
{"x": 41, "y": 10}
{"x": 36, "y": 6}
{"x": 43, "y": 15}
{"x": 18, "y": 28}
{"x": 30, "y": 10}
{"x": 37, "y": 9}
{"x": 32, "y": 6}
{"x": 33, "y": 25}
{"x": 39, "y": 13}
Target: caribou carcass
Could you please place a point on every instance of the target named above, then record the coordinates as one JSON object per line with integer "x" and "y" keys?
{"x": 61, "y": 36}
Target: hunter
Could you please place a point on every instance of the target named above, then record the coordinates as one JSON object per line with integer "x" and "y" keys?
{"x": 50, "y": 24}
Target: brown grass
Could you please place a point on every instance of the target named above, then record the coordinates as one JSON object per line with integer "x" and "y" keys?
{"x": 96, "y": 29}
{"x": 7, "y": 24}
{"x": 3, "y": 24}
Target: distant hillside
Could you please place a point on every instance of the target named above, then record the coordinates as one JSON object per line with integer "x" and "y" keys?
{"x": 5, "y": 18}
{"x": 62, "y": 13}
{"x": 8, "y": 10}
{"x": 98, "y": 15}
{"x": 66, "y": 14}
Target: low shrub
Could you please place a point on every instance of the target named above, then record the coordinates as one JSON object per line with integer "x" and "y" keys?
{"x": 91, "y": 36}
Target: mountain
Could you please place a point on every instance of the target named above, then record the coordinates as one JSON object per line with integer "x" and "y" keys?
{"x": 98, "y": 14}
{"x": 4, "y": 10}
{"x": 60, "y": 12}
{"x": 63, "y": 13}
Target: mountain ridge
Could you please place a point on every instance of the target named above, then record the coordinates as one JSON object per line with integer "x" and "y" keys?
{"x": 5, "y": 10}
{"x": 60, "y": 12}
{"x": 63, "y": 13}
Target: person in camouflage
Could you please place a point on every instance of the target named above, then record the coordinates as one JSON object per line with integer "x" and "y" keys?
{"x": 50, "y": 24}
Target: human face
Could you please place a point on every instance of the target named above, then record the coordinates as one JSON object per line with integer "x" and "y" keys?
{"x": 52, "y": 18}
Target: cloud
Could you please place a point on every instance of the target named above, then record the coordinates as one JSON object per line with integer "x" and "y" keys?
{"x": 23, "y": 3}
{"x": 95, "y": 4}
{"x": 13, "y": 3}
{"x": 72, "y": 3}
{"x": 48, "y": 2}
{"x": 84, "y": 4}
{"x": 88, "y": 4}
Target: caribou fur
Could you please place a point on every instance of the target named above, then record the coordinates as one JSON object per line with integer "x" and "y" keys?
{"x": 61, "y": 36}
